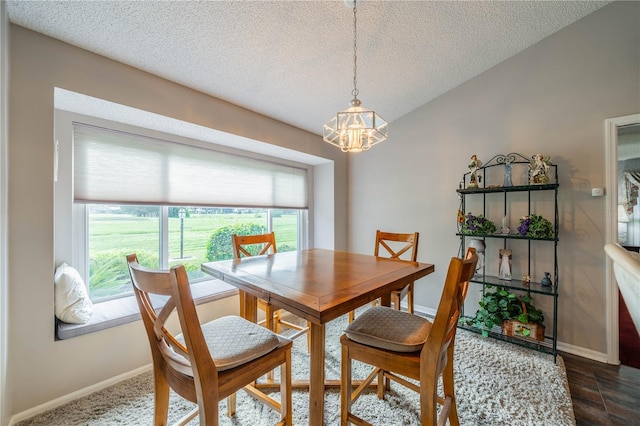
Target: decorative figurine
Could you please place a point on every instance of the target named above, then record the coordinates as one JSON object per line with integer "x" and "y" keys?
{"x": 475, "y": 164}
{"x": 539, "y": 170}
{"x": 480, "y": 247}
{"x": 507, "y": 174}
{"x": 504, "y": 229}
{"x": 504, "y": 270}
{"x": 546, "y": 281}
{"x": 526, "y": 281}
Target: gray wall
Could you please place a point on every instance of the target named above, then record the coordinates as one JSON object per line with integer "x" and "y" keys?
{"x": 39, "y": 368}
{"x": 4, "y": 290}
{"x": 551, "y": 98}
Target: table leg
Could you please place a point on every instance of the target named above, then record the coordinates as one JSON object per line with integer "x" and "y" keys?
{"x": 385, "y": 300}
{"x": 249, "y": 306}
{"x": 269, "y": 324}
{"x": 316, "y": 381}
{"x": 242, "y": 297}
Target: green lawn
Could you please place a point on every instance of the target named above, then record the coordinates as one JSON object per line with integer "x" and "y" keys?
{"x": 109, "y": 231}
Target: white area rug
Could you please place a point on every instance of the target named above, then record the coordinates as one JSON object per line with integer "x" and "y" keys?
{"x": 496, "y": 384}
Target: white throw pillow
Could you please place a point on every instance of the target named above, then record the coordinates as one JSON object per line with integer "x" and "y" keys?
{"x": 71, "y": 300}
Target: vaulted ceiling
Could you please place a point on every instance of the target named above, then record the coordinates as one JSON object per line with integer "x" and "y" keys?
{"x": 293, "y": 60}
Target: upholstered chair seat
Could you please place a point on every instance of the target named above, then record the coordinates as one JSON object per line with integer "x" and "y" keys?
{"x": 387, "y": 328}
{"x": 233, "y": 341}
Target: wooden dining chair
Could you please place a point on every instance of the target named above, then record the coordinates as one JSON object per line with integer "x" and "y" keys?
{"x": 205, "y": 363}
{"x": 401, "y": 345}
{"x": 399, "y": 247}
{"x": 250, "y": 245}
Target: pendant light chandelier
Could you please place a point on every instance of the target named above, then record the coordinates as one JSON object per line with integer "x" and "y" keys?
{"x": 356, "y": 128}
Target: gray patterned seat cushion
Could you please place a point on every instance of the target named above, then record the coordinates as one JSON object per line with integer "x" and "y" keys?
{"x": 233, "y": 341}
{"x": 389, "y": 329}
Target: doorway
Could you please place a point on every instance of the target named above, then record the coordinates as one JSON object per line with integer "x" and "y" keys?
{"x": 623, "y": 227}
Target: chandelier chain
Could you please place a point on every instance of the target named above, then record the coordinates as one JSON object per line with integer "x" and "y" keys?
{"x": 355, "y": 91}
{"x": 356, "y": 128}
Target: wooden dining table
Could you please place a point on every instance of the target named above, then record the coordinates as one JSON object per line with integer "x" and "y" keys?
{"x": 318, "y": 285}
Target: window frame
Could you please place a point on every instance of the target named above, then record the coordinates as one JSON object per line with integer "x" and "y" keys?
{"x": 71, "y": 223}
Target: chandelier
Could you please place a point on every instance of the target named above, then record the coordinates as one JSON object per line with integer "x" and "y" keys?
{"x": 356, "y": 128}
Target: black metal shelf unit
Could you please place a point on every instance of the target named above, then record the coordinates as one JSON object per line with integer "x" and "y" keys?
{"x": 489, "y": 169}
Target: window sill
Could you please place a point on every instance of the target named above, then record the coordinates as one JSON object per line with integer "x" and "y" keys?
{"x": 122, "y": 311}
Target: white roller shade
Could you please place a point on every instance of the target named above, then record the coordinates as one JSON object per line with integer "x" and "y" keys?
{"x": 118, "y": 167}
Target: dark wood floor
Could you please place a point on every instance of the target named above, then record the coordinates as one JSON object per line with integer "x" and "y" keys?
{"x": 603, "y": 394}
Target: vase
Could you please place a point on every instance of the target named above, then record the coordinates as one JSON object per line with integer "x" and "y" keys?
{"x": 507, "y": 175}
{"x": 546, "y": 281}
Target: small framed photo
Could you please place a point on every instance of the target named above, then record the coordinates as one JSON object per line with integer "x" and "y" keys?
{"x": 504, "y": 268}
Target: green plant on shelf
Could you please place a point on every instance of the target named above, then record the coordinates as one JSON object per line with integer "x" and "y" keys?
{"x": 477, "y": 225}
{"x": 535, "y": 226}
{"x": 502, "y": 305}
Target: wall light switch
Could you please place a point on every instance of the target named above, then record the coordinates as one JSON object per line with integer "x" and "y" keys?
{"x": 597, "y": 192}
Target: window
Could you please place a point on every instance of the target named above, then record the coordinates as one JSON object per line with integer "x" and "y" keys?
{"x": 128, "y": 187}
{"x": 114, "y": 232}
{"x": 192, "y": 235}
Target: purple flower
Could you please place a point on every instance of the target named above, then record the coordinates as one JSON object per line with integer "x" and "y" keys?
{"x": 535, "y": 226}
{"x": 523, "y": 228}
{"x": 477, "y": 225}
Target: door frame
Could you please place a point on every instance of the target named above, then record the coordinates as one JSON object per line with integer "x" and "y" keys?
{"x": 611, "y": 230}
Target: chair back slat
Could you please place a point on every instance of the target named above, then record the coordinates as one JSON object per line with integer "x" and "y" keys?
{"x": 163, "y": 315}
{"x": 199, "y": 355}
{"x": 384, "y": 238}
{"x": 241, "y": 242}
{"x": 465, "y": 286}
{"x": 436, "y": 348}
{"x": 148, "y": 282}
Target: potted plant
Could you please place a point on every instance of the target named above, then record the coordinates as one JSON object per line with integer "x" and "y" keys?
{"x": 535, "y": 226}
{"x": 515, "y": 314}
{"x": 477, "y": 225}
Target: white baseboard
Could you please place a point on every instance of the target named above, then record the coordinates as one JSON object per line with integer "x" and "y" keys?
{"x": 423, "y": 310}
{"x": 583, "y": 352}
{"x": 564, "y": 347}
{"x": 75, "y": 395}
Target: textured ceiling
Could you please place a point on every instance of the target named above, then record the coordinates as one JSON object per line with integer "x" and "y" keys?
{"x": 293, "y": 60}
